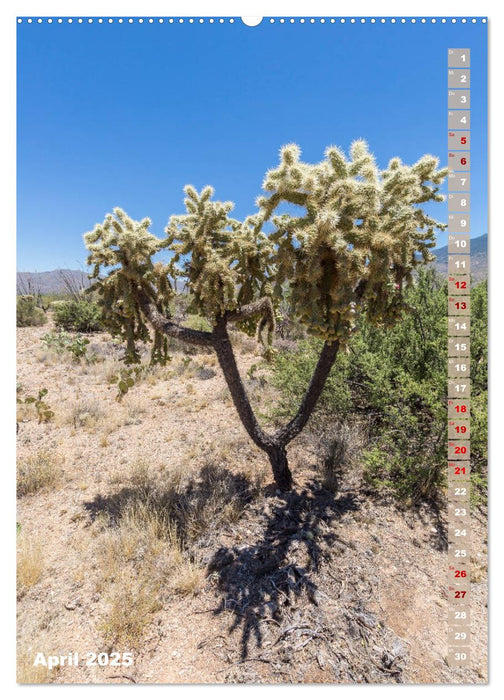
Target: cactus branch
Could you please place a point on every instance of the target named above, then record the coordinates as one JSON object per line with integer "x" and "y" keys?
{"x": 163, "y": 324}
{"x": 320, "y": 374}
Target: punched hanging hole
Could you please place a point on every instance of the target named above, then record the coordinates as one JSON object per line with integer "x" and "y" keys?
{"x": 251, "y": 21}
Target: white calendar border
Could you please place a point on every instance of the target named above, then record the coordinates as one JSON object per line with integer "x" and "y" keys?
{"x": 429, "y": 8}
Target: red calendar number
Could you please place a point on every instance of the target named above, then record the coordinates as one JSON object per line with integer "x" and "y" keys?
{"x": 460, "y": 594}
{"x": 461, "y": 429}
{"x": 461, "y": 409}
{"x": 460, "y": 574}
{"x": 460, "y": 305}
{"x": 460, "y": 450}
{"x": 461, "y": 285}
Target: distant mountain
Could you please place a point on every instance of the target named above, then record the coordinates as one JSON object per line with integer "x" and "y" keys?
{"x": 479, "y": 258}
{"x": 59, "y": 281}
{"x": 52, "y": 282}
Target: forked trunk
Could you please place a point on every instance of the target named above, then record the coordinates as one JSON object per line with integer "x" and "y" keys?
{"x": 280, "y": 466}
{"x": 273, "y": 445}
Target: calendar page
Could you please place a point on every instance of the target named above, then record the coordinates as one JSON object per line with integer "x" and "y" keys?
{"x": 251, "y": 349}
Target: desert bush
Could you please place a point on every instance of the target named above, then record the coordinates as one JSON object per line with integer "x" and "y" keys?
{"x": 479, "y": 392}
{"x": 401, "y": 379}
{"x": 81, "y": 315}
{"x": 197, "y": 323}
{"x": 27, "y": 312}
{"x": 57, "y": 304}
{"x": 394, "y": 381}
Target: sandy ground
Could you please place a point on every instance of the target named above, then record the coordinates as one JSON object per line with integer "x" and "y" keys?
{"x": 354, "y": 592}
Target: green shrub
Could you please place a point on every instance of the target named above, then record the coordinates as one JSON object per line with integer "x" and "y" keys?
{"x": 197, "y": 323}
{"x": 479, "y": 392}
{"x": 292, "y": 374}
{"x": 83, "y": 316}
{"x": 395, "y": 383}
{"x": 400, "y": 378}
{"x": 27, "y": 313}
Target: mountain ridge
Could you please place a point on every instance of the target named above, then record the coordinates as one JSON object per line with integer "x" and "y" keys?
{"x": 58, "y": 281}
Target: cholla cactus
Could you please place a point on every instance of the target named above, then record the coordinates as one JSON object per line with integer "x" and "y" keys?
{"x": 227, "y": 262}
{"x": 125, "y": 247}
{"x": 360, "y": 234}
{"x": 358, "y": 240}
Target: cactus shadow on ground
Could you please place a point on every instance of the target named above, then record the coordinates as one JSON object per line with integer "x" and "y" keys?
{"x": 264, "y": 580}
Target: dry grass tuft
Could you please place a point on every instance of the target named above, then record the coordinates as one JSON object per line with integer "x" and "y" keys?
{"x": 135, "y": 408}
{"x": 145, "y": 539}
{"x": 109, "y": 369}
{"x": 29, "y": 563}
{"x": 41, "y": 470}
{"x": 340, "y": 446}
{"x": 26, "y": 672}
{"x": 131, "y": 603}
{"x": 86, "y": 413}
{"x": 187, "y": 578}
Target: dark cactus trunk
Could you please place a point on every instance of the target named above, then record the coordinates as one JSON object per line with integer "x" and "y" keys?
{"x": 278, "y": 458}
{"x": 273, "y": 445}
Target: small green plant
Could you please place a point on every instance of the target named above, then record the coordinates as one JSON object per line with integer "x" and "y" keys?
{"x": 80, "y": 315}
{"x": 28, "y": 313}
{"x": 56, "y": 341}
{"x": 78, "y": 347}
{"x": 44, "y": 412}
{"x": 251, "y": 371}
{"x": 62, "y": 342}
{"x": 125, "y": 380}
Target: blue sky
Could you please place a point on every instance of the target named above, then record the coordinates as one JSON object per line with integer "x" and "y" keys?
{"x": 126, "y": 115}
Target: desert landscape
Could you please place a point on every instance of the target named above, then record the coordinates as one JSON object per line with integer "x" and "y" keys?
{"x": 153, "y": 526}
{"x": 252, "y": 350}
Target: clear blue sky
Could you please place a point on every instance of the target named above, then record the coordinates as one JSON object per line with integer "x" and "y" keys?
{"x": 126, "y": 115}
